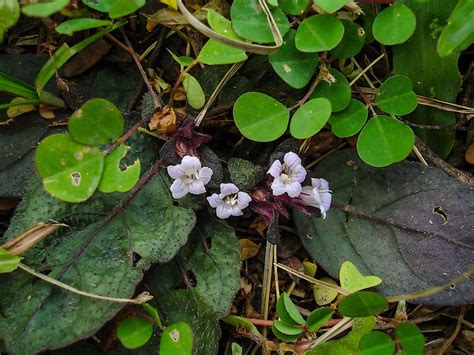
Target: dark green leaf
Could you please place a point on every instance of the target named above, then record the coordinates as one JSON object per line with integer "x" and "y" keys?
{"x": 177, "y": 339}
{"x": 331, "y": 6}
{"x": 352, "y": 41}
{"x": 134, "y": 332}
{"x": 287, "y": 311}
{"x": 80, "y": 24}
{"x": 396, "y": 96}
{"x": 318, "y": 318}
{"x": 394, "y": 25}
{"x": 287, "y": 329}
{"x": 319, "y": 33}
{"x": 362, "y": 304}
{"x": 350, "y": 121}
{"x": 293, "y": 7}
{"x": 8, "y": 262}
{"x": 44, "y": 9}
{"x": 410, "y": 338}
{"x": 245, "y": 174}
{"x": 376, "y": 343}
{"x": 310, "y": 118}
{"x": 339, "y": 92}
{"x": 283, "y": 336}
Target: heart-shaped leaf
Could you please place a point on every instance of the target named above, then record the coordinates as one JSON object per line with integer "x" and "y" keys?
{"x": 350, "y": 121}
{"x": 134, "y": 332}
{"x": 331, "y": 6}
{"x": 114, "y": 178}
{"x": 396, "y": 96}
{"x": 338, "y": 91}
{"x": 352, "y": 280}
{"x": 362, "y": 304}
{"x": 318, "y": 318}
{"x": 323, "y": 295}
{"x": 177, "y": 339}
{"x": 287, "y": 310}
{"x": 319, "y": 33}
{"x": 376, "y": 343}
{"x": 310, "y": 118}
{"x": 394, "y": 25}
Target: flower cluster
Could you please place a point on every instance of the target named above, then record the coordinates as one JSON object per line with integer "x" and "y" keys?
{"x": 191, "y": 177}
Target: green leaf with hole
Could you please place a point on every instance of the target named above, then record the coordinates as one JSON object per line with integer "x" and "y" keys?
{"x": 294, "y": 67}
{"x": 394, "y": 25}
{"x": 310, "y": 118}
{"x": 120, "y": 8}
{"x": 350, "y": 121}
{"x": 97, "y": 122}
{"x": 44, "y": 9}
{"x": 323, "y": 295}
{"x": 260, "y": 117}
{"x": 362, "y": 304}
{"x": 8, "y": 262}
{"x": 70, "y": 171}
{"x": 352, "y": 280}
{"x": 339, "y": 92}
{"x": 250, "y": 22}
{"x": 384, "y": 141}
{"x": 116, "y": 179}
{"x": 318, "y": 318}
{"x": 319, "y": 33}
{"x": 352, "y": 41}
{"x": 331, "y": 6}
{"x": 9, "y": 13}
{"x": 289, "y": 338}
{"x": 376, "y": 343}
{"x": 80, "y": 24}
{"x": 396, "y": 96}
{"x": 410, "y": 338}
{"x": 459, "y": 32}
{"x": 194, "y": 93}
{"x": 134, "y": 332}
{"x": 287, "y": 310}
{"x": 293, "y": 7}
{"x": 177, "y": 339}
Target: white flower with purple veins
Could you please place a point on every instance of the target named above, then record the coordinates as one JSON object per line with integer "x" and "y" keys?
{"x": 189, "y": 177}
{"x": 230, "y": 202}
{"x": 318, "y": 195}
{"x": 287, "y": 176}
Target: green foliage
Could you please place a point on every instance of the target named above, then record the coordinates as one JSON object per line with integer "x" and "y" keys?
{"x": 376, "y": 343}
{"x": 115, "y": 8}
{"x": 323, "y": 295}
{"x": 362, "y": 304}
{"x": 9, "y": 13}
{"x": 8, "y": 262}
{"x": 396, "y": 96}
{"x": 339, "y": 92}
{"x": 310, "y": 118}
{"x": 384, "y": 141}
{"x": 410, "y": 338}
{"x": 287, "y": 311}
{"x": 134, "y": 332}
{"x": 293, "y": 7}
{"x": 331, "y": 6}
{"x": 80, "y": 24}
{"x": 318, "y": 318}
{"x": 44, "y": 9}
{"x": 352, "y": 280}
{"x": 16, "y": 87}
{"x": 349, "y": 121}
{"x": 319, "y": 33}
{"x": 194, "y": 93}
{"x": 352, "y": 41}
{"x": 394, "y": 25}
{"x": 259, "y": 117}
{"x": 244, "y": 173}
{"x": 177, "y": 339}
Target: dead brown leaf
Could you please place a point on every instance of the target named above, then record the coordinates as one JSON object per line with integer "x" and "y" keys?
{"x": 248, "y": 249}
{"x": 164, "y": 121}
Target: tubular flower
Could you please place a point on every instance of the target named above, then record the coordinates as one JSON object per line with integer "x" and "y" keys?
{"x": 318, "y": 195}
{"x": 189, "y": 176}
{"x": 287, "y": 176}
{"x": 230, "y": 202}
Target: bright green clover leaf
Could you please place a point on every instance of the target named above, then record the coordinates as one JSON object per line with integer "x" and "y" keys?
{"x": 310, "y": 118}
{"x": 323, "y": 295}
{"x": 318, "y": 318}
{"x": 287, "y": 311}
{"x": 293, "y": 7}
{"x": 97, "y": 122}
{"x": 459, "y": 32}
{"x": 410, "y": 338}
{"x": 120, "y": 8}
{"x": 260, "y": 117}
{"x": 8, "y": 262}
{"x": 116, "y": 179}
{"x": 394, "y": 25}
{"x": 70, "y": 171}
{"x": 348, "y": 122}
{"x": 330, "y": 6}
{"x": 319, "y": 33}
{"x": 102, "y": 5}
{"x": 339, "y": 92}
{"x": 215, "y": 52}
{"x": 9, "y": 13}
{"x": 44, "y": 9}
{"x": 352, "y": 41}
{"x": 177, "y": 339}
{"x": 352, "y": 280}
{"x": 80, "y": 24}
{"x": 362, "y": 304}
{"x": 134, "y": 332}
{"x": 396, "y": 96}
{"x": 376, "y": 343}
{"x": 294, "y": 67}
{"x": 194, "y": 93}
{"x": 286, "y": 332}
{"x": 384, "y": 141}
{"x": 249, "y": 21}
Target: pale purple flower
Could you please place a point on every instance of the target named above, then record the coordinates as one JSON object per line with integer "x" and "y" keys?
{"x": 318, "y": 195}
{"x": 189, "y": 177}
{"x": 230, "y": 202}
{"x": 287, "y": 176}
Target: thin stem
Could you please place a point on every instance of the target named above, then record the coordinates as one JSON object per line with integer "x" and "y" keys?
{"x": 178, "y": 82}
{"x": 366, "y": 69}
{"x": 20, "y": 103}
{"x": 267, "y": 280}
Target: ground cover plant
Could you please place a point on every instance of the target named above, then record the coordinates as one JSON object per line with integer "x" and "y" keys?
{"x": 234, "y": 177}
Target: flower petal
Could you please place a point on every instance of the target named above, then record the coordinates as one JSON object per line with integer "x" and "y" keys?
{"x": 175, "y": 171}
{"x": 278, "y": 187}
{"x": 191, "y": 163}
{"x": 196, "y": 187}
{"x": 214, "y": 200}
{"x": 223, "y": 211}
{"x": 276, "y": 169}
{"x": 293, "y": 189}
{"x": 291, "y": 160}
{"x": 243, "y": 199}
{"x": 228, "y": 189}
{"x": 178, "y": 189}
{"x": 236, "y": 211}
{"x": 205, "y": 174}
{"x": 299, "y": 173}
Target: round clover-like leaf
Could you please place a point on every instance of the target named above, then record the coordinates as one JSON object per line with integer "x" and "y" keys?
{"x": 177, "y": 339}
{"x": 410, "y": 338}
{"x": 310, "y": 118}
{"x": 352, "y": 41}
{"x": 362, "y": 304}
{"x": 294, "y": 67}
{"x": 348, "y": 122}
{"x": 287, "y": 311}
{"x": 318, "y": 318}
{"x": 384, "y": 141}
{"x": 97, "y": 122}
{"x": 319, "y": 33}
{"x": 194, "y": 93}
{"x": 134, "y": 332}
{"x": 260, "y": 117}
{"x": 330, "y": 6}
{"x": 70, "y": 171}
{"x": 396, "y": 96}
{"x": 250, "y": 22}
{"x": 116, "y": 179}
{"x": 376, "y": 343}
{"x": 293, "y": 7}
{"x": 394, "y": 25}
{"x": 339, "y": 92}
{"x": 352, "y": 280}
{"x": 323, "y": 295}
